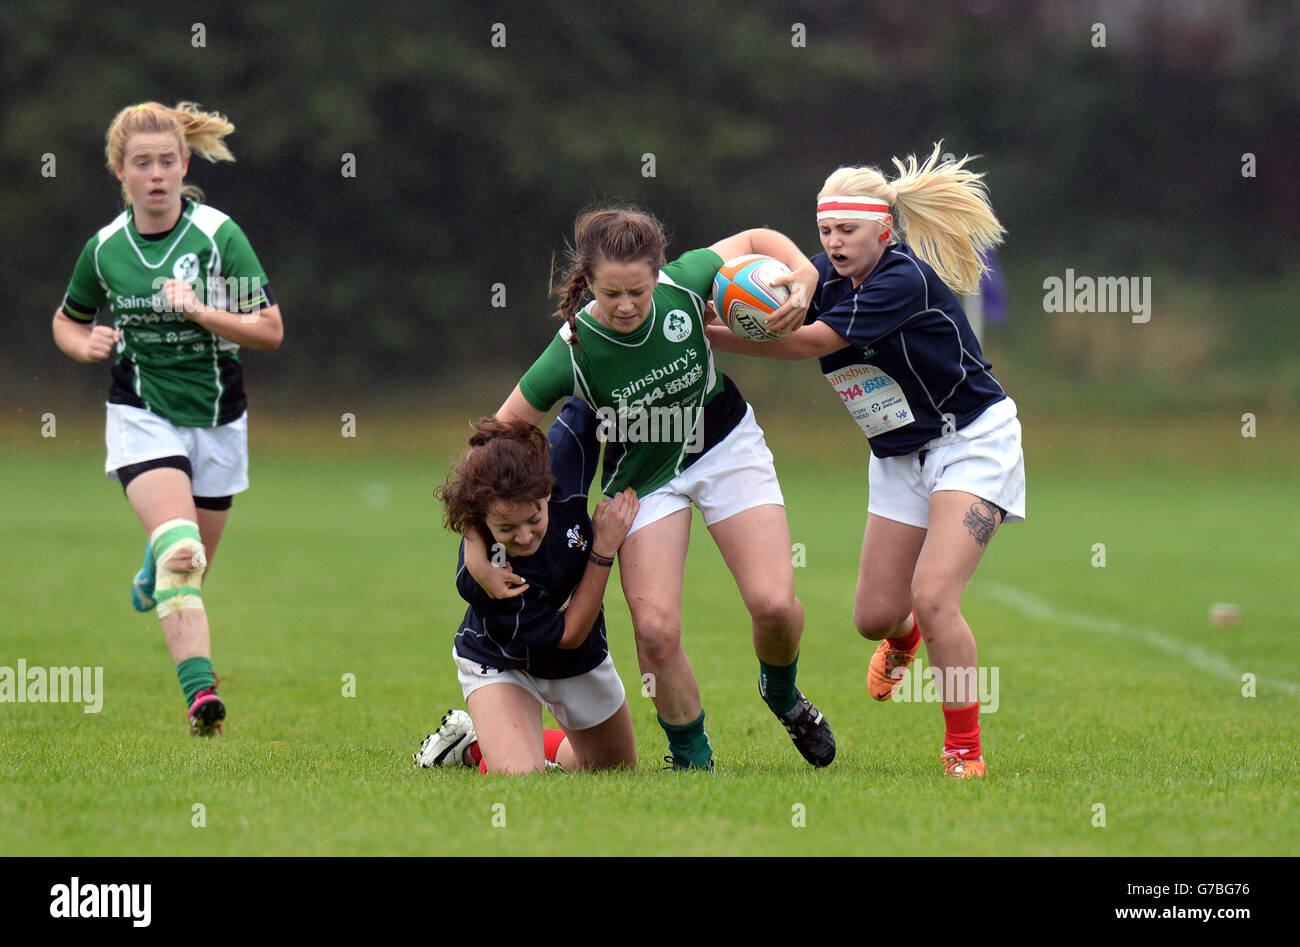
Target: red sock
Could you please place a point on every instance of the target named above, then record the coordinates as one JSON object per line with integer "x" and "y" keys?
{"x": 476, "y": 755}
{"x": 910, "y": 640}
{"x": 962, "y": 731}
{"x": 551, "y": 740}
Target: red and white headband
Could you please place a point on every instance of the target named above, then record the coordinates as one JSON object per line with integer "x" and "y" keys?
{"x": 855, "y": 206}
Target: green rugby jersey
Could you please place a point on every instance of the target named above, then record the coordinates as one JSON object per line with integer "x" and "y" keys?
{"x": 650, "y": 386}
{"x": 165, "y": 363}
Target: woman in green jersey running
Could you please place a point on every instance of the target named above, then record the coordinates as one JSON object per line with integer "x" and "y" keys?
{"x": 184, "y": 290}
{"x": 678, "y": 432}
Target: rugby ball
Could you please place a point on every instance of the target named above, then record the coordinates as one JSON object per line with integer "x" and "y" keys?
{"x": 744, "y": 296}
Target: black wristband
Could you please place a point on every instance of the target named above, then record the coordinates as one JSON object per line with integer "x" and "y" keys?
{"x": 599, "y": 560}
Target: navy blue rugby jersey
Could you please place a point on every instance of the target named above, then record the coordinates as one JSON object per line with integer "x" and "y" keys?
{"x": 912, "y": 361}
{"x": 523, "y": 633}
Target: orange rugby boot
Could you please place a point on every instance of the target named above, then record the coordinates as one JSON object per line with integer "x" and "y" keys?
{"x": 957, "y": 766}
{"x": 888, "y": 665}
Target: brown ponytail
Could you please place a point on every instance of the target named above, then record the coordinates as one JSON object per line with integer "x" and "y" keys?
{"x": 620, "y": 234}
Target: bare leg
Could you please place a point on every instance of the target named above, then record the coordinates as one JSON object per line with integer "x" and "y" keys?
{"x": 652, "y": 563}
{"x": 212, "y": 523}
{"x": 508, "y": 722}
{"x": 883, "y": 599}
{"x": 756, "y": 547}
{"x": 603, "y": 746}
{"x": 961, "y": 526}
{"x": 157, "y": 496}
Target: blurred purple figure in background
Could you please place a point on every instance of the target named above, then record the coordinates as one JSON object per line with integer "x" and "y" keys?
{"x": 989, "y": 306}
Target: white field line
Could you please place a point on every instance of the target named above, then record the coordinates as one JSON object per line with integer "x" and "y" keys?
{"x": 1043, "y": 610}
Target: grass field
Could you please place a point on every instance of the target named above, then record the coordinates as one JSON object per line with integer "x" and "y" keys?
{"x": 1115, "y": 689}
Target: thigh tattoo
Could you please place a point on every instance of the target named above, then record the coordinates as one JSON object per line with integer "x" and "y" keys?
{"x": 981, "y": 519}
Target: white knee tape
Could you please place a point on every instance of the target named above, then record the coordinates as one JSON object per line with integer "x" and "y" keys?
{"x": 176, "y": 589}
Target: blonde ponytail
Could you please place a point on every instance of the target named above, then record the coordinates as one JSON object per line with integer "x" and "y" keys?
{"x": 944, "y": 212}
{"x": 195, "y": 129}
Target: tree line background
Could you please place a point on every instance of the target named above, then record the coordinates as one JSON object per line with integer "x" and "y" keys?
{"x": 479, "y": 130}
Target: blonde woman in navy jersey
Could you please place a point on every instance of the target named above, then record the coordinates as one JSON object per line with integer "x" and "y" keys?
{"x": 946, "y": 468}
{"x": 184, "y": 291}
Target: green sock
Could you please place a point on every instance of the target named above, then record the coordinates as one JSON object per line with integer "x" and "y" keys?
{"x": 688, "y": 742}
{"x": 776, "y": 684}
{"x": 195, "y": 674}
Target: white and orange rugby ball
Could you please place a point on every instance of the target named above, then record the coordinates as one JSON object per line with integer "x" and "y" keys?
{"x": 744, "y": 296}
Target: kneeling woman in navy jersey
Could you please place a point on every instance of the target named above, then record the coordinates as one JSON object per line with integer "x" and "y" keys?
{"x": 946, "y": 465}
{"x": 546, "y": 646}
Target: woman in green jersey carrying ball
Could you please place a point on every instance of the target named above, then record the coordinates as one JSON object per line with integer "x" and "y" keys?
{"x": 678, "y": 432}
{"x": 185, "y": 290}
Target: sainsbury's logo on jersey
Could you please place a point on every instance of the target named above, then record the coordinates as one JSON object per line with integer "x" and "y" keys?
{"x": 151, "y": 303}
{"x": 848, "y": 374}
{"x": 680, "y": 364}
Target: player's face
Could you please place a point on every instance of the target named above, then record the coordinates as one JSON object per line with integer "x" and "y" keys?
{"x": 152, "y": 171}
{"x": 518, "y": 526}
{"x": 623, "y": 292}
{"x": 852, "y": 244}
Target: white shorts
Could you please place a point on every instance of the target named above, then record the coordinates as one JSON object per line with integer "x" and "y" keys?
{"x": 736, "y": 475}
{"x": 577, "y": 703}
{"x": 218, "y": 455}
{"x": 984, "y": 459}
